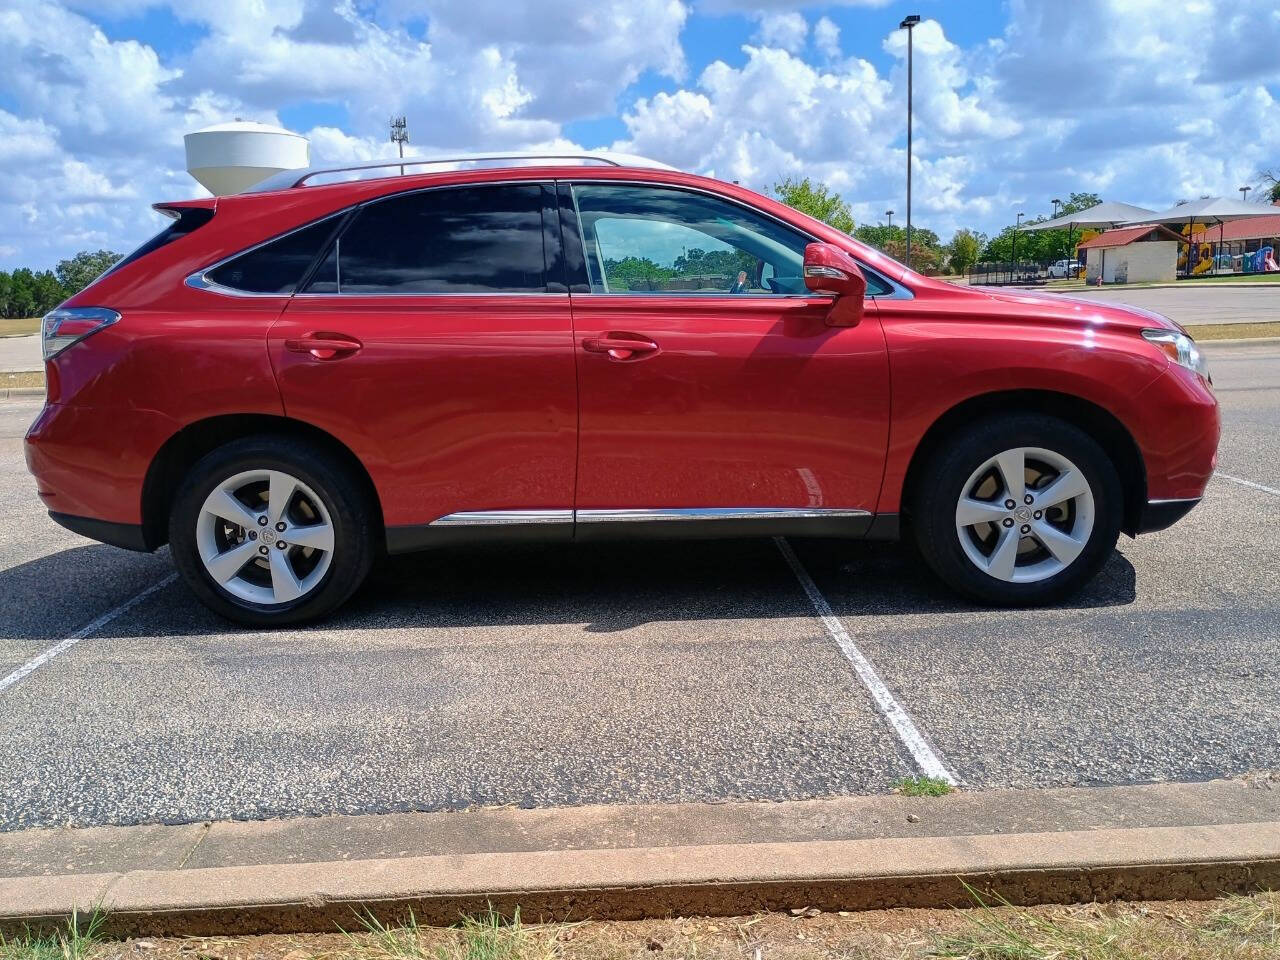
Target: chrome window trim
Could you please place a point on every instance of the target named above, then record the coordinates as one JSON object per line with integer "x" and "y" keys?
{"x": 198, "y": 280}
{"x": 899, "y": 290}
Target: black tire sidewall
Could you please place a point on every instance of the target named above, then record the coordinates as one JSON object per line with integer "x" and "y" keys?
{"x": 942, "y": 484}
{"x": 342, "y": 496}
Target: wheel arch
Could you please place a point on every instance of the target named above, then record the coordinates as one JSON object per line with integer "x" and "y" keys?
{"x": 1098, "y": 422}
{"x": 181, "y": 451}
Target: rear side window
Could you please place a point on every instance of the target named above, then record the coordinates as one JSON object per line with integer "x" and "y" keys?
{"x": 469, "y": 240}
{"x": 278, "y": 265}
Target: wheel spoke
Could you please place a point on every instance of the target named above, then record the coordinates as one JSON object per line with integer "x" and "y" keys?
{"x": 1064, "y": 547}
{"x": 970, "y": 511}
{"x": 1013, "y": 470}
{"x": 1005, "y": 555}
{"x": 222, "y": 504}
{"x": 317, "y": 535}
{"x": 224, "y": 566}
{"x": 1068, "y": 486}
{"x": 285, "y": 584}
{"x": 279, "y": 493}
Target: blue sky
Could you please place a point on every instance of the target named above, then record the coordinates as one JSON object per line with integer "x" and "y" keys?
{"x": 1017, "y": 101}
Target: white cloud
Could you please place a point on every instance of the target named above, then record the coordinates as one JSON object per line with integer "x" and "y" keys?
{"x": 826, "y": 37}
{"x": 787, "y": 30}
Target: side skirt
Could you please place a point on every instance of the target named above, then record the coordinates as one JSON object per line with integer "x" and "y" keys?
{"x": 543, "y": 526}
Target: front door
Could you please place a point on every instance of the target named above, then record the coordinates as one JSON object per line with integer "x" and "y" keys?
{"x": 711, "y": 386}
{"x": 432, "y": 344}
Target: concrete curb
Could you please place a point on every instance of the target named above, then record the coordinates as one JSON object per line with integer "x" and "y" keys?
{"x": 1143, "y": 864}
{"x": 1172, "y": 841}
{"x": 20, "y": 393}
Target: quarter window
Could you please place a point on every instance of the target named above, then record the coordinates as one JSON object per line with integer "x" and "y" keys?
{"x": 466, "y": 240}
{"x": 278, "y": 265}
{"x": 647, "y": 240}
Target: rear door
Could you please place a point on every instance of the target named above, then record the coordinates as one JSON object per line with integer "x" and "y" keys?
{"x": 430, "y": 341}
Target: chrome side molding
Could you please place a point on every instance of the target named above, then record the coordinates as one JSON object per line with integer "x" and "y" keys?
{"x": 502, "y": 517}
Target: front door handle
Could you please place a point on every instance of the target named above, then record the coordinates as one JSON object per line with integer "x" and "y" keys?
{"x": 620, "y": 346}
{"x": 324, "y": 346}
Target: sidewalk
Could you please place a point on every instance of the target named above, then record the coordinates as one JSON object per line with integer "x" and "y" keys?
{"x": 1165, "y": 841}
{"x": 20, "y": 353}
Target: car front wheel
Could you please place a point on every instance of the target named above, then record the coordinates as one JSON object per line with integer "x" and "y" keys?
{"x": 271, "y": 530}
{"x": 1018, "y": 510}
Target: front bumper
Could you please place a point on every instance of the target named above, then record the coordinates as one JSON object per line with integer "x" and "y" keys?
{"x": 1162, "y": 514}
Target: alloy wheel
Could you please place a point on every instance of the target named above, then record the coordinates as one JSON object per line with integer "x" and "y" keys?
{"x": 265, "y": 537}
{"x": 1025, "y": 515}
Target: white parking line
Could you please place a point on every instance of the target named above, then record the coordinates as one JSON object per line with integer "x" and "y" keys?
{"x": 62, "y": 646}
{"x": 1249, "y": 483}
{"x": 926, "y": 758}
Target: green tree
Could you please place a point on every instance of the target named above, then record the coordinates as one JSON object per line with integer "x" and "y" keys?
{"x": 635, "y": 273}
{"x": 1080, "y": 201}
{"x": 817, "y": 200}
{"x": 1270, "y": 180}
{"x": 82, "y": 269}
{"x": 964, "y": 249}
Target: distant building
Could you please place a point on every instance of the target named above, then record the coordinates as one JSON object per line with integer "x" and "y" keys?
{"x": 1140, "y": 254}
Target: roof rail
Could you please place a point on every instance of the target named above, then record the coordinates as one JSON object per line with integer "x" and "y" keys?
{"x": 288, "y": 179}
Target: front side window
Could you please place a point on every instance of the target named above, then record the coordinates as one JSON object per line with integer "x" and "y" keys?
{"x": 485, "y": 239}
{"x": 647, "y": 240}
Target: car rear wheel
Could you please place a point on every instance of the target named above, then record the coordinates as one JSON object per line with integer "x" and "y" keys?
{"x": 1018, "y": 510}
{"x": 271, "y": 530}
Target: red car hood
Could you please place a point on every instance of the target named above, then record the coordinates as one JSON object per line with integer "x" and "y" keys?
{"x": 1055, "y": 307}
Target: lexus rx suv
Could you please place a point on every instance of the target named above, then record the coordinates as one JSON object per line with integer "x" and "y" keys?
{"x": 286, "y": 383}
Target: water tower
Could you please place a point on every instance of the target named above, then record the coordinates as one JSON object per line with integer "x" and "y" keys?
{"x": 231, "y": 157}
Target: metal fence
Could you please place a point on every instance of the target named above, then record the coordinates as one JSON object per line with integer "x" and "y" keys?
{"x": 1009, "y": 272}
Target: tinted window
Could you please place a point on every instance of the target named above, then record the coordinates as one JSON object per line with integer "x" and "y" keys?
{"x": 187, "y": 220}
{"x": 663, "y": 240}
{"x": 276, "y": 266}
{"x": 470, "y": 240}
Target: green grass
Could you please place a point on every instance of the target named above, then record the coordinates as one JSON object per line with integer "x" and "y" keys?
{"x": 489, "y": 936}
{"x": 18, "y": 326}
{"x": 922, "y": 787}
{"x": 71, "y": 943}
{"x": 1242, "y": 927}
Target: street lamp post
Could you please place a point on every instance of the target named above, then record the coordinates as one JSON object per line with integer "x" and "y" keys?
{"x": 909, "y": 24}
{"x": 889, "y": 214}
{"x": 1244, "y": 193}
{"x": 1014, "y": 252}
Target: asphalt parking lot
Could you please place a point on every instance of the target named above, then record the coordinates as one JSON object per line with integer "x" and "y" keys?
{"x": 644, "y": 673}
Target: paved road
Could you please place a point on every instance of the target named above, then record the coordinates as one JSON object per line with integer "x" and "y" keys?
{"x": 1189, "y": 304}
{"x": 653, "y": 673}
{"x": 20, "y": 353}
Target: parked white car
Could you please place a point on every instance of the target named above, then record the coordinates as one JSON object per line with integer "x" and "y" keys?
{"x": 1061, "y": 269}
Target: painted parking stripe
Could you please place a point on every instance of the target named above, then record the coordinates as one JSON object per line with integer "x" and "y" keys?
{"x": 62, "y": 646}
{"x": 1249, "y": 483}
{"x": 926, "y": 758}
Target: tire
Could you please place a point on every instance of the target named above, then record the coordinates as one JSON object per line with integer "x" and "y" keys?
{"x": 326, "y": 507}
{"x": 974, "y": 558}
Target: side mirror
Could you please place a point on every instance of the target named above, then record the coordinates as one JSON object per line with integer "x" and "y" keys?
{"x": 829, "y": 270}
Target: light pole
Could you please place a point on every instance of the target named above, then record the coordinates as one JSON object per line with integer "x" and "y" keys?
{"x": 909, "y": 24}
{"x": 1014, "y": 252}
{"x": 1244, "y": 193}
{"x": 1056, "y": 205}
{"x": 889, "y": 214}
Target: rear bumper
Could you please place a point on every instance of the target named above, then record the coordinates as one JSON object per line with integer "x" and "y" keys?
{"x": 127, "y": 535}
{"x": 1162, "y": 514}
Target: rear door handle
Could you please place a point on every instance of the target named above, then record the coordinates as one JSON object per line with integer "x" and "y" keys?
{"x": 620, "y": 346}
{"x": 324, "y": 346}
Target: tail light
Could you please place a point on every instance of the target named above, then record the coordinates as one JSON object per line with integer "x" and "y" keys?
{"x": 67, "y": 325}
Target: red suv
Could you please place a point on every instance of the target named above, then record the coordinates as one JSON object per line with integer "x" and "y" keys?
{"x": 285, "y": 383}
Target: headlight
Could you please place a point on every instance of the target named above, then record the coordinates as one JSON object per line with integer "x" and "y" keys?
{"x": 1181, "y": 349}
